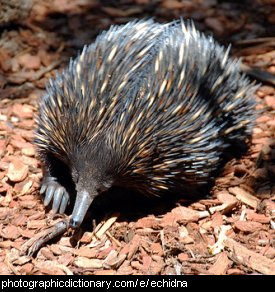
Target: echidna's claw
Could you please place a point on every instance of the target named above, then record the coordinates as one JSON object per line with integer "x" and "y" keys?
{"x": 43, "y": 189}
{"x": 64, "y": 202}
{"x": 54, "y": 193}
{"x": 49, "y": 195}
{"x": 58, "y": 194}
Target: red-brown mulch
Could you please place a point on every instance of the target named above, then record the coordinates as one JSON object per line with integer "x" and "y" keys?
{"x": 230, "y": 233}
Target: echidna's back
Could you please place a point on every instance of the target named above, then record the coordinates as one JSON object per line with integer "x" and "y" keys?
{"x": 193, "y": 105}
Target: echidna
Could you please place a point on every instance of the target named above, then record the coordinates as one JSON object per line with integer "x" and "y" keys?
{"x": 147, "y": 106}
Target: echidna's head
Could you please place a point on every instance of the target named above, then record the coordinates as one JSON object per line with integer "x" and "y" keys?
{"x": 66, "y": 133}
{"x": 92, "y": 173}
{"x": 70, "y": 154}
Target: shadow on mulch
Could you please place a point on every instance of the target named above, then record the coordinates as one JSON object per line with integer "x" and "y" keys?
{"x": 266, "y": 163}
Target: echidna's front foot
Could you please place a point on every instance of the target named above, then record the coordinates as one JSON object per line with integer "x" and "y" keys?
{"x": 56, "y": 193}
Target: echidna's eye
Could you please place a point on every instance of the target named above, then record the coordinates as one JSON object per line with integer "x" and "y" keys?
{"x": 102, "y": 189}
{"x": 75, "y": 175}
{"x": 107, "y": 185}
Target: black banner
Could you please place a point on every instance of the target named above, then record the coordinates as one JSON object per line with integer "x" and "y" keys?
{"x": 112, "y": 282}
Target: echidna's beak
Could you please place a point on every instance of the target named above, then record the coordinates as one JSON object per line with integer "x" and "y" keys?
{"x": 81, "y": 206}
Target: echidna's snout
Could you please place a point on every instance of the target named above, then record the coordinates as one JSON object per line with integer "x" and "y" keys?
{"x": 82, "y": 204}
{"x": 90, "y": 179}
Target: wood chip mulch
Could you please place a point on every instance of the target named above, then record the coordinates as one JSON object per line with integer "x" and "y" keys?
{"x": 230, "y": 233}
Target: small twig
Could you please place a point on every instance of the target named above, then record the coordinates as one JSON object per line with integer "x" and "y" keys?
{"x": 254, "y": 41}
{"x": 258, "y": 74}
{"x": 34, "y": 244}
{"x": 113, "y": 239}
{"x": 45, "y": 70}
{"x": 95, "y": 229}
{"x": 162, "y": 241}
{"x": 17, "y": 92}
{"x": 192, "y": 254}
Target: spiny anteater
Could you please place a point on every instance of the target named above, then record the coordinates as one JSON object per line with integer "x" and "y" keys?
{"x": 147, "y": 106}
